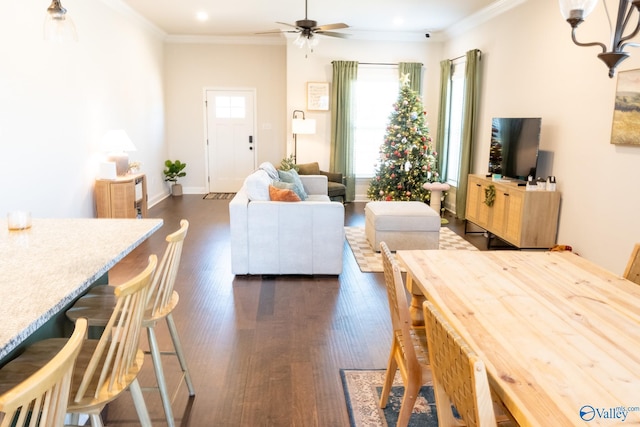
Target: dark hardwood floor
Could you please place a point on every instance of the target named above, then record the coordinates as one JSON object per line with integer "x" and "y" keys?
{"x": 262, "y": 352}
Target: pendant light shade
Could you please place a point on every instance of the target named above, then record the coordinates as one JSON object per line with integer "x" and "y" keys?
{"x": 573, "y": 8}
{"x": 58, "y": 27}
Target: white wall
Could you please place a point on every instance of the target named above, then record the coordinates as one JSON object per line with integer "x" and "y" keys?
{"x": 532, "y": 68}
{"x": 58, "y": 100}
{"x": 192, "y": 67}
{"x": 316, "y": 67}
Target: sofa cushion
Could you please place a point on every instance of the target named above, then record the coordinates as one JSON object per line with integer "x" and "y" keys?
{"x": 257, "y": 185}
{"x": 291, "y": 176}
{"x": 282, "y": 194}
{"x": 270, "y": 170}
{"x": 309, "y": 169}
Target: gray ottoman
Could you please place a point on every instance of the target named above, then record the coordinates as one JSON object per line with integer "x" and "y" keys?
{"x": 402, "y": 225}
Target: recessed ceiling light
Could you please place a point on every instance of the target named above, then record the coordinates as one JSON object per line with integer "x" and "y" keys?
{"x": 202, "y": 16}
{"x": 397, "y": 21}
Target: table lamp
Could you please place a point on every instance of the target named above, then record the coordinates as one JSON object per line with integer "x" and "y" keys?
{"x": 116, "y": 143}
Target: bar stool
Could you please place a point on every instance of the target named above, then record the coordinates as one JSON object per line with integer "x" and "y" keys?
{"x": 43, "y": 393}
{"x": 160, "y": 305}
{"x": 109, "y": 366}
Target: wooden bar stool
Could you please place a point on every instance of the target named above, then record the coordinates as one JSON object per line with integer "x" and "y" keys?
{"x": 160, "y": 305}
{"x": 107, "y": 367}
{"x": 42, "y": 394}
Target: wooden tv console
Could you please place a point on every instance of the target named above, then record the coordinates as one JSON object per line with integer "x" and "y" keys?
{"x": 525, "y": 219}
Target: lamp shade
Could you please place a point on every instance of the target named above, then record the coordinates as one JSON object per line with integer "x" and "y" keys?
{"x": 569, "y": 8}
{"x": 58, "y": 27}
{"x": 303, "y": 126}
{"x": 117, "y": 140}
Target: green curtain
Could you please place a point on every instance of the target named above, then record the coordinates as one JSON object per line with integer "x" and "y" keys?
{"x": 442, "y": 131}
{"x": 345, "y": 74}
{"x": 469, "y": 119}
{"x": 414, "y": 69}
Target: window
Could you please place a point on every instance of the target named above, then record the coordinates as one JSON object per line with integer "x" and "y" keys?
{"x": 376, "y": 91}
{"x": 455, "y": 122}
{"x": 230, "y": 107}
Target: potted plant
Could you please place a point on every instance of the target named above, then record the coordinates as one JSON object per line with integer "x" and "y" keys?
{"x": 173, "y": 171}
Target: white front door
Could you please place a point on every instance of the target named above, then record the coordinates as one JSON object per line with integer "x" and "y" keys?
{"x": 231, "y": 143}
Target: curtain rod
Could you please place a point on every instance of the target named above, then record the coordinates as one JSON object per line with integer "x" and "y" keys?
{"x": 464, "y": 56}
{"x": 378, "y": 63}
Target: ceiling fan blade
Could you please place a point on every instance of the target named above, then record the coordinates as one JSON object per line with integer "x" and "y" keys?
{"x": 332, "y": 34}
{"x": 288, "y": 25}
{"x": 337, "y": 26}
{"x": 271, "y": 32}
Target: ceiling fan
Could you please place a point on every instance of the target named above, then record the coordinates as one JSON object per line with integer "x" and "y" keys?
{"x": 307, "y": 30}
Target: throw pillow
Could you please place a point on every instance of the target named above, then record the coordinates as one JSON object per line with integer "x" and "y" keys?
{"x": 292, "y": 177}
{"x": 257, "y": 185}
{"x": 270, "y": 170}
{"x": 282, "y": 195}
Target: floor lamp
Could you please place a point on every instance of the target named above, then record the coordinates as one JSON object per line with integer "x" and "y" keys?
{"x": 301, "y": 126}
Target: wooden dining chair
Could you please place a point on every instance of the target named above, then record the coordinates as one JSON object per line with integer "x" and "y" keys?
{"x": 39, "y": 398}
{"x": 408, "y": 344}
{"x": 632, "y": 271}
{"x": 459, "y": 378}
{"x": 162, "y": 300}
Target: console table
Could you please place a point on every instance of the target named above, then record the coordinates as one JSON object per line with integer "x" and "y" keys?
{"x": 123, "y": 197}
{"x": 525, "y": 219}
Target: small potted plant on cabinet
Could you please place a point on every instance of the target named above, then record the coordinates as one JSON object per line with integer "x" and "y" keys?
{"x": 173, "y": 171}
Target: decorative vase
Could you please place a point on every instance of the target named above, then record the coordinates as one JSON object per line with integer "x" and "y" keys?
{"x": 176, "y": 190}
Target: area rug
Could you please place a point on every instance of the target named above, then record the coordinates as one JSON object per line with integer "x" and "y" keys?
{"x": 362, "y": 389}
{"x": 219, "y": 196}
{"x": 370, "y": 261}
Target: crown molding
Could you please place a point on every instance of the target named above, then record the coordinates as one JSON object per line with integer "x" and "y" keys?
{"x": 126, "y": 10}
{"x": 246, "y": 40}
{"x": 497, "y": 8}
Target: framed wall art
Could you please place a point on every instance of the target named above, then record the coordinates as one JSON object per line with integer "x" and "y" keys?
{"x": 317, "y": 96}
{"x": 626, "y": 113}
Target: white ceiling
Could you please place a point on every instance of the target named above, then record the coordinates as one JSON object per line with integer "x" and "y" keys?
{"x": 246, "y": 17}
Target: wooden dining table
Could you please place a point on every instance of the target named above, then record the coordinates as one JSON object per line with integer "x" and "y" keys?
{"x": 560, "y": 336}
{"x": 43, "y": 269}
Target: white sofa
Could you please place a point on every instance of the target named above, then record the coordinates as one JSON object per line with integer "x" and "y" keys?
{"x": 272, "y": 237}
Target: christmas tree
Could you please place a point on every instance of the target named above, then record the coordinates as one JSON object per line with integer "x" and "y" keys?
{"x": 407, "y": 157}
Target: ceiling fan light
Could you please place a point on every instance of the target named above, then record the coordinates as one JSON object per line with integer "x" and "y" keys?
{"x": 300, "y": 41}
{"x": 313, "y": 41}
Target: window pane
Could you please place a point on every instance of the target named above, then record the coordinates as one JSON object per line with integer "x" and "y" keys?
{"x": 230, "y": 107}
{"x": 455, "y": 123}
{"x": 376, "y": 91}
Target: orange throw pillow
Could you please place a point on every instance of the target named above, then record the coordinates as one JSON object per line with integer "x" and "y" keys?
{"x": 282, "y": 195}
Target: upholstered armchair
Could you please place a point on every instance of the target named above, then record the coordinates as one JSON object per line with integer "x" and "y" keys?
{"x": 336, "y": 187}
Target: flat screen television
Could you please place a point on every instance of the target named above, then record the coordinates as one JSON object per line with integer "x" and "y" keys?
{"x": 514, "y": 146}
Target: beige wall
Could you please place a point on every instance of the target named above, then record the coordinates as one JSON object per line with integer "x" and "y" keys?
{"x": 190, "y": 68}
{"x": 58, "y": 100}
{"x": 532, "y": 68}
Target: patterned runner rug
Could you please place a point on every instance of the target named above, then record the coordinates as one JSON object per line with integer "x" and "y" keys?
{"x": 362, "y": 390}
{"x": 370, "y": 261}
{"x": 219, "y": 196}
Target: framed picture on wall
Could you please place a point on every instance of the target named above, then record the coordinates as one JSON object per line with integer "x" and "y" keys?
{"x": 626, "y": 113}
{"x": 317, "y": 96}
